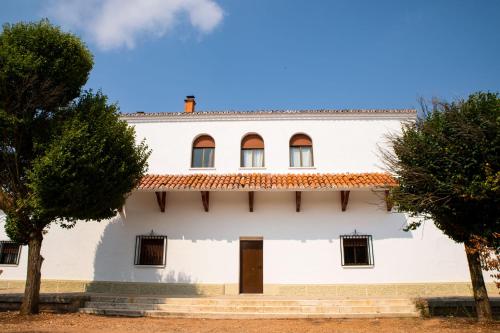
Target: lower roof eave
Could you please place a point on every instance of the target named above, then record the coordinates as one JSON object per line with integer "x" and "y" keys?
{"x": 267, "y": 182}
{"x": 336, "y": 189}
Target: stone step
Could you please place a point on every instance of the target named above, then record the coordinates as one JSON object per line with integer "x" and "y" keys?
{"x": 114, "y": 312}
{"x": 239, "y": 315}
{"x": 254, "y": 308}
{"x": 247, "y": 302}
{"x": 248, "y": 307}
{"x": 125, "y": 306}
{"x": 251, "y": 301}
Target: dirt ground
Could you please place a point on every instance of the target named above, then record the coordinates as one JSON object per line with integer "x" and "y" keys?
{"x": 12, "y": 322}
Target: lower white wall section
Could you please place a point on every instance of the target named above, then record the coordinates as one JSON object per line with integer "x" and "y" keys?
{"x": 203, "y": 247}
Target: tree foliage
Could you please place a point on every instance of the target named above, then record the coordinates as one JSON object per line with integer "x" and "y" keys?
{"x": 41, "y": 70}
{"x": 448, "y": 167}
{"x": 51, "y": 65}
{"x": 88, "y": 166}
{"x": 64, "y": 156}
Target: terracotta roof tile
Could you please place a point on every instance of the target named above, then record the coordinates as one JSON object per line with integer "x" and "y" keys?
{"x": 264, "y": 182}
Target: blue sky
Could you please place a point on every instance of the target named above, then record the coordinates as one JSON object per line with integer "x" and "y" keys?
{"x": 280, "y": 54}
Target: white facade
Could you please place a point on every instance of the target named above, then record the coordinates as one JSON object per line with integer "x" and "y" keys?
{"x": 299, "y": 247}
{"x": 342, "y": 142}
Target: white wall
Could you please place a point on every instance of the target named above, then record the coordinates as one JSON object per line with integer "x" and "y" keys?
{"x": 300, "y": 248}
{"x": 340, "y": 144}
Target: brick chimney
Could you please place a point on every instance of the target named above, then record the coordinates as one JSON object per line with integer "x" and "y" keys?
{"x": 189, "y": 104}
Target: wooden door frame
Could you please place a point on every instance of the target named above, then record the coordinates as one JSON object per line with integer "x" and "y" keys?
{"x": 249, "y": 238}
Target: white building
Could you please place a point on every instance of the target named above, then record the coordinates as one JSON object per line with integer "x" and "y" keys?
{"x": 273, "y": 202}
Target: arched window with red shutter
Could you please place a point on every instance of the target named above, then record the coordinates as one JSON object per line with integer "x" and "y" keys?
{"x": 301, "y": 151}
{"x": 203, "y": 154}
{"x": 252, "y": 151}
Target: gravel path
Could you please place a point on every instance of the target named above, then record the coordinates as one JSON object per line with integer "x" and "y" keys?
{"x": 12, "y": 322}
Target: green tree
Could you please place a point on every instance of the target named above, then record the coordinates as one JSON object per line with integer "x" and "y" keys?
{"x": 64, "y": 157}
{"x": 448, "y": 167}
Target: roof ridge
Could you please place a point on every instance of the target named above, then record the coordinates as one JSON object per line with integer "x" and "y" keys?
{"x": 265, "y": 111}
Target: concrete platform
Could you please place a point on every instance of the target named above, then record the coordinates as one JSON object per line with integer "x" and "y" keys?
{"x": 248, "y": 306}
{"x": 57, "y": 302}
{"x": 454, "y": 306}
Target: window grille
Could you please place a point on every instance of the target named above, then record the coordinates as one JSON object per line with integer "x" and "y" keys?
{"x": 356, "y": 250}
{"x": 150, "y": 250}
{"x": 10, "y": 252}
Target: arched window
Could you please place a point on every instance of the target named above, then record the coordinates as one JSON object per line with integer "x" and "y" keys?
{"x": 252, "y": 151}
{"x": 203, "y": 152}
{"x": 301, "y": 151}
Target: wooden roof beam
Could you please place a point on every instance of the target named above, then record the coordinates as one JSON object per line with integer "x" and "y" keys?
{"x": 161, "y": 199}
{"x": 250, "y": 201}
{"x": 344, "y": 199}
{"x": 298, "y": 201}
{"x": 205, "y": 199}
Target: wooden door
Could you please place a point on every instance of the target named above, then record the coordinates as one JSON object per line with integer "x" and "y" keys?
{"x": 251, "y": 277}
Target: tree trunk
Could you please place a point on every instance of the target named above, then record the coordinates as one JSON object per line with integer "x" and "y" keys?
{"x": 483, "y": 307}
{"x": 32, "y": 289}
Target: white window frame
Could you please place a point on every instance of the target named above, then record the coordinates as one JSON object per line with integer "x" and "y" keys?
{"x": 253, "y": 166}
{"x": 203, "y": 158}
{"x": 301, "y": 157}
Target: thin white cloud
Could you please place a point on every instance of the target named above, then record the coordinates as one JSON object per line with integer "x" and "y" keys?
{"x": 118, "y": 23}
